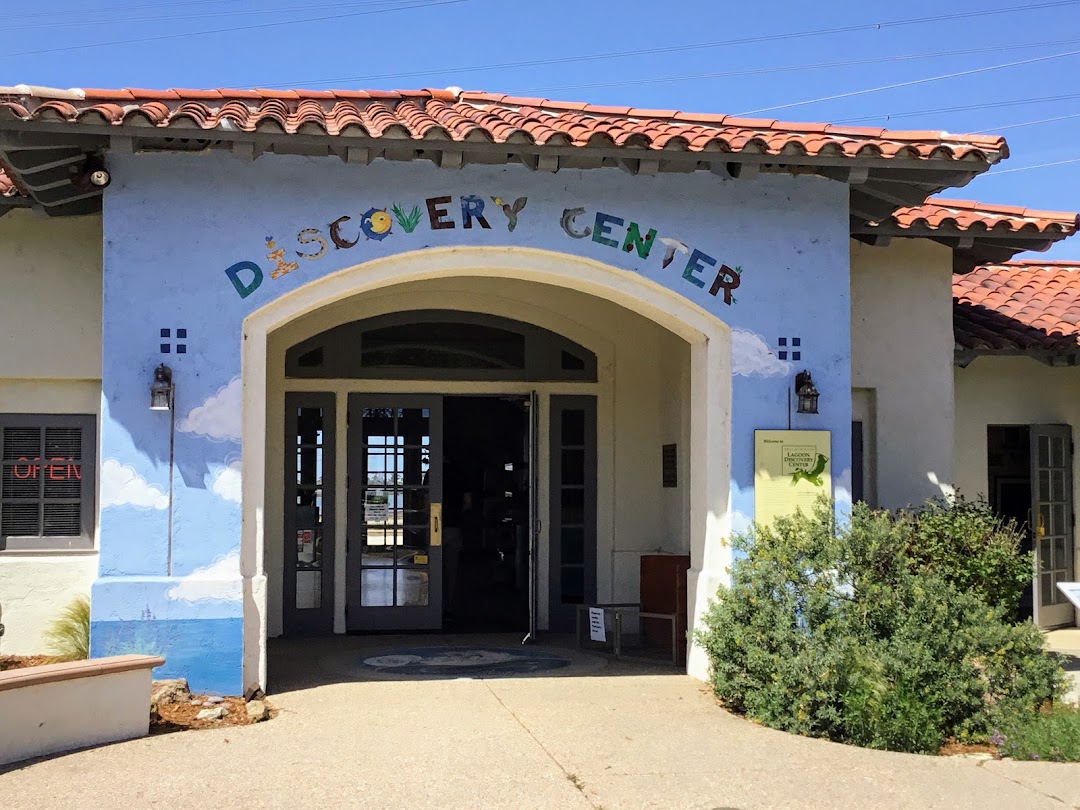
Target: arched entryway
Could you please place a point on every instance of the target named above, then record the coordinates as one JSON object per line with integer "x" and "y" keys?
{"x": 548, "y": 291}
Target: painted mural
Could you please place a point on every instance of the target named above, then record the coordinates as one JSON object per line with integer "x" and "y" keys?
{"x": 611, "y": 231}
{"x": 195, "y": 243}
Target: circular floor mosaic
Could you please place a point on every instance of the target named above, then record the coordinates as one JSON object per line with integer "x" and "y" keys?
{"x": 464, "y": 662}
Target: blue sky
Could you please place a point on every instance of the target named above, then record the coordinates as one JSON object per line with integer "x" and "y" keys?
{"x": 481, "y": 44}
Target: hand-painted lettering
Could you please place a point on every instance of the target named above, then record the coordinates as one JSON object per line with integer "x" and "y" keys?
{"x": 309, "y": 236}
{"x": 277, "y": 255}
{"x": 340, "y": 242}
{"x": 567, "y": 222}
{"x": 634, "y": 240}
{"x": 726, "y": 280}
{"x": 245, "y": 289}
{"x": 696, "y": 264}
{"x": 602, "y": 227}
{"x": 437, "y": 215}
{"x": 672, "y": 246}
{"x": 472, "y": 207}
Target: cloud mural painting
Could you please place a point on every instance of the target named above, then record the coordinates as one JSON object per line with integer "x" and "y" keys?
{"x": 217, "y": 582}
{"x": 226, "y": 483}
{"x": 122, "y": 486}
{"x": 752, "y": 357}
{"x": 218, "y": 418}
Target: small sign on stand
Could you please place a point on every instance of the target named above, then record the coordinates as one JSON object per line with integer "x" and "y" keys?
{"x": 1071, "y": 591}
{"x": 597, "y": 631}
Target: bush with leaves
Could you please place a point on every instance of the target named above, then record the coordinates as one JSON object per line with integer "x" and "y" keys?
{"x": 68, "y": 637}
{"x": 968, "y": 545}
{"x": 844, "y": 634}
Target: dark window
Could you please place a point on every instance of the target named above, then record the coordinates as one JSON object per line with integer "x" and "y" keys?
{"x": 858, "y": 488}
{"x": 442, "y": 345}
{"x": 46, "y": 481}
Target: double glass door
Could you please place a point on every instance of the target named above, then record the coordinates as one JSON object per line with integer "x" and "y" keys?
{"x": 394, "y": 558}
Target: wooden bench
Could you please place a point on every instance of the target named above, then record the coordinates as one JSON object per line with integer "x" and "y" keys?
{"x": 60, "y": 707}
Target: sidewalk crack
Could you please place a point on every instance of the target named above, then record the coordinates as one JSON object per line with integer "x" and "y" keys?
{"x": 1028, "y": 787}
{"x": 572, "y": 778}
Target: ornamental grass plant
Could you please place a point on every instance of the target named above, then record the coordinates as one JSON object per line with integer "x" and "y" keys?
{"x": 892, "y": 631}
{"x": 68, "y": 637}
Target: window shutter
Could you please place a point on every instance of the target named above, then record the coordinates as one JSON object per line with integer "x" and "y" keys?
{"x": 41, "y": 477}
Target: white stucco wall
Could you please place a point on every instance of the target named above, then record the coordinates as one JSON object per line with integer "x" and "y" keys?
{"x": 1010, "y": 391}
{"x": 64, "y": 715}
{"x": 902, "y": 359}
{"x": 51, "y": 307}
{"x": 51, "y": 313}
{"x": 1007, "y": 391}
{"x": 642, "y": 403}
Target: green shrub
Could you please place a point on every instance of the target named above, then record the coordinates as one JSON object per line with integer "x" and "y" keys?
{"x": 68, "y": 638}
{"x": 845, "y": 634}
{"x": 971, "y": 547}
{"x": 1052, "y": 735}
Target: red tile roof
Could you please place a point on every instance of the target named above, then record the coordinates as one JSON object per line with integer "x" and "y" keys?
{"x": 977, "y": 217}
{"x": 483, "y": 117}
{"x": 1018, "y": 307}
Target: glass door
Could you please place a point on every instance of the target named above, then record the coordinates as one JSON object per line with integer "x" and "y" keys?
{"x": 308, "y": 588}
{"x": 1052, "y": 521}
{"x": 394, "y": 557}
{"x": 572, "y": 526}
{"x": 534, "y": 515}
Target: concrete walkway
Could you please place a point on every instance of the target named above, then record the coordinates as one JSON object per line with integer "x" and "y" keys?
{"x": 598, "y": 734}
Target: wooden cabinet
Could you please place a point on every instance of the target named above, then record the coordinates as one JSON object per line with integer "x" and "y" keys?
{"x": 663, "y": 590}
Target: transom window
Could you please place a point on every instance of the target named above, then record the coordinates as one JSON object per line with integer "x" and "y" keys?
{"x": 46, "y": 481}
{"x": 441, "y": 344}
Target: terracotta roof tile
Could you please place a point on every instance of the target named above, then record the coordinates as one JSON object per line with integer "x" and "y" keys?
{"x": 971, "y": 216}
{"x": 1025, "y": 306}
{"x": 502, "y": 119}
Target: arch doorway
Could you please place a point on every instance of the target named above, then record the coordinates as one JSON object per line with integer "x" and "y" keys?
{"x": 559, "y": 398}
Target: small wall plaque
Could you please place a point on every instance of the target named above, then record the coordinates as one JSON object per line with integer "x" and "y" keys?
{"x": 670, "y": 454}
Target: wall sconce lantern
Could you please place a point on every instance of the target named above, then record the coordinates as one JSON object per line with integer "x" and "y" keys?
{"x": 161, "y": 389}
{"x": 806, "y": 392}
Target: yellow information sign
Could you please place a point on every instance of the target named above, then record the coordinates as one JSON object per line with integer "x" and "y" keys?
{"x": 791, "y": 471}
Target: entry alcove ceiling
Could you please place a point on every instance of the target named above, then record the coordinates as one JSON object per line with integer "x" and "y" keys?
{"x": 46, "y": 136}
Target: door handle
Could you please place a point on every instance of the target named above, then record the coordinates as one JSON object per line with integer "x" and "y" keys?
{"x": 436, "y": 524}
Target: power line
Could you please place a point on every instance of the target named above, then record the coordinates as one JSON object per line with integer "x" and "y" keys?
{"x": 678, "y": 48}
{"x": 1027, "y": 124}
{"x": 40, "y": 14}
{"x": 911, "y": 83}
{"x": 796, "y": 68}
{"x": 964, "y": 108}
{"x": 82, "y": 23}
{"x": 1029, "y": 168}
{"x": 252, "y": 27}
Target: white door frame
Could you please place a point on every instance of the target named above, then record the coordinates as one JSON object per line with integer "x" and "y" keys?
{"x": 710, "y": 420}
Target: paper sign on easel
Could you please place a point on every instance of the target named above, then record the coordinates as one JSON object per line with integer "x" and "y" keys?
{"x": 597, "y": 631}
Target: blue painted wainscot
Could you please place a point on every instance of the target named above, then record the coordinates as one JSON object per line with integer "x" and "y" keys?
{"x": 195, "y": 243}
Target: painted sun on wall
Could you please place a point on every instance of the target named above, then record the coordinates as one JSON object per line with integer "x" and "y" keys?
{"x": 377, "y": 224}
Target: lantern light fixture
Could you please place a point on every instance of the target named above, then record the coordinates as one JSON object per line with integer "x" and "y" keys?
{"x": 162, "y": 389}
{"x": 807, "y": 393}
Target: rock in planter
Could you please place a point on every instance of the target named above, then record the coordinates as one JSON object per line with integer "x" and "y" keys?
{"x": 257, "y": 711}
{"x": 170, "y": 691}
{"x": 213, "y": 699}
{"x": 215, "y": 713}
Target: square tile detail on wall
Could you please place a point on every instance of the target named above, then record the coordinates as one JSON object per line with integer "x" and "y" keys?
{"x": 789, "y": 346}
{"x": 167, "y": 344}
